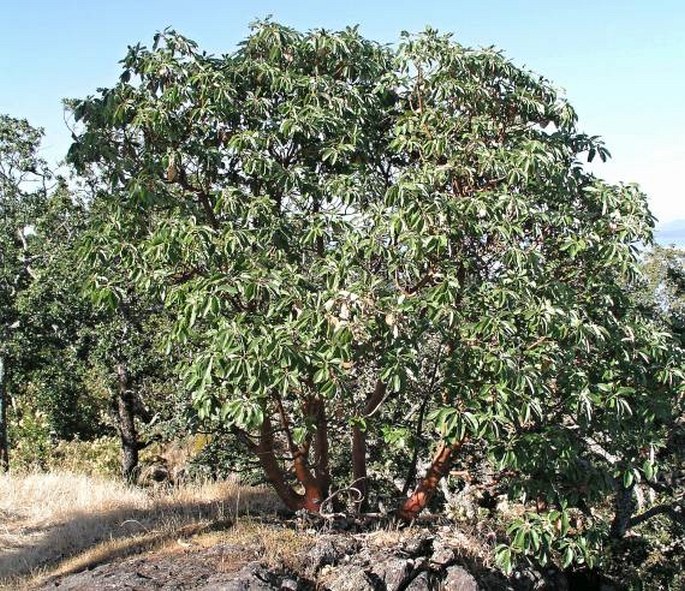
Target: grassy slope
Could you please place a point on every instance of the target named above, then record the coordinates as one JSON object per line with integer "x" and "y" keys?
{"x": 61, "y": 522}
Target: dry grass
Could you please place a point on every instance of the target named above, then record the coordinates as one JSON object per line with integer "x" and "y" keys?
{"x": 72, "y": 521}
{"x": 249, "y": 539}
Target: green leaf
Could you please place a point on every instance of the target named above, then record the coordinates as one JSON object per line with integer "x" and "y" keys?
{"x": 648, "y": 469}
{"x": 567, "y": 557}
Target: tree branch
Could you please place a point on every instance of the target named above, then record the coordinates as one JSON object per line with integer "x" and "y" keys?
{"x": 672, "y": 510}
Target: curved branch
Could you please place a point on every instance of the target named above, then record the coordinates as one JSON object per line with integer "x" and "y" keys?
{"x": 672, "y": 510}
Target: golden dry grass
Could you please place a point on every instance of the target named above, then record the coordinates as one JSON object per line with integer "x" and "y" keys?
{"x": 249, "y": 539}
{"x": 63, "y": 522}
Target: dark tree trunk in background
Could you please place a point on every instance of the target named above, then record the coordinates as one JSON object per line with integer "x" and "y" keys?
{"x": 361, "y": 483}
{"x": 624, "y": 507}
{"x": 4, "y": 451}
{"x": 411, "y": 473}
{"x": 127, "y": 425}
{"x": 359, "y": 468}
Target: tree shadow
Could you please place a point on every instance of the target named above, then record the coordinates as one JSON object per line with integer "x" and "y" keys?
{"x": 83, "y": 539}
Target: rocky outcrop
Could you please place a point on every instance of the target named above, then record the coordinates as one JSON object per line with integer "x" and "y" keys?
{"x": 408, "y": 560}
{"x": 417, "y": 563}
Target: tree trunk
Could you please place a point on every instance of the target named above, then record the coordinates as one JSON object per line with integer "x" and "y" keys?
{"x": 426, "y": 488}
{"x": 313, "y": 495}
{"x": 127, "y": 425}
{"x": 275, "y": 476}
{"x": 411, "y": 473}
{"x": 361, "y": 483}
{"x": 624, "y": 507}
{"x": 359, "y": 468}
{"x": 315, "y": 487}
{"x": 4, "y": 450}
{"x": 322, "y": 468}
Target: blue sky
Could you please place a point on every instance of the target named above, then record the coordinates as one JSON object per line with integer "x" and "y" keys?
{"x": 622, "y": 63}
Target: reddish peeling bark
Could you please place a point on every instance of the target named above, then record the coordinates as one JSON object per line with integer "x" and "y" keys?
{"x": 321, "y": 455}
{"x": 316, "y": 481}
{"x": 313, "y": 496}
{"x": 315, "y": 487}
{"x": 426, "y": 488}
{"x": 267, "y": 458}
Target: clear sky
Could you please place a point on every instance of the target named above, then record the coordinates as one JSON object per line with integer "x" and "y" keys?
{"x": 621, "y": 62}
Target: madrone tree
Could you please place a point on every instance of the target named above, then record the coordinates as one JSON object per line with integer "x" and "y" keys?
{"x": 347, "y": 228}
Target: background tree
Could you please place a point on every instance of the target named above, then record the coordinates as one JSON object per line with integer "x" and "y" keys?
{"x": 64, "y": 359}
{"x": 23, "y": 177}
{"x": 53, "y": 339}
{"x": 347, "y": 230}
{"x": 664, "y": 270}
{"x": 130, "y": 364}
{"x": 125, "y": 351}
{"x": 661, "y": 296}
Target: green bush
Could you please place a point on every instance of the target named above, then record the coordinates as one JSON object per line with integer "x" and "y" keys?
{"x": 100, "y": 456}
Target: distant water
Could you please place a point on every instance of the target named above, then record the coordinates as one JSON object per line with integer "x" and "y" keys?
{"x": 671, "y": 233}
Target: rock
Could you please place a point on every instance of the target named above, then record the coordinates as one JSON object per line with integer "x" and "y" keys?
{"x": 346, "y": 579}
{"x": 528, "y": 579}
{"x": 422, "y": 545}
{"x": 407, "y": 561}
{"x": 391, "y": 574}
{"x": 253, "y": 577}
{"x": 458, "y": 579}
{"x": 422, "y": 582}
{"x": 532, "y": 579}
{"x": 442, "y": 554}
{"x": 328, "y": 551}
